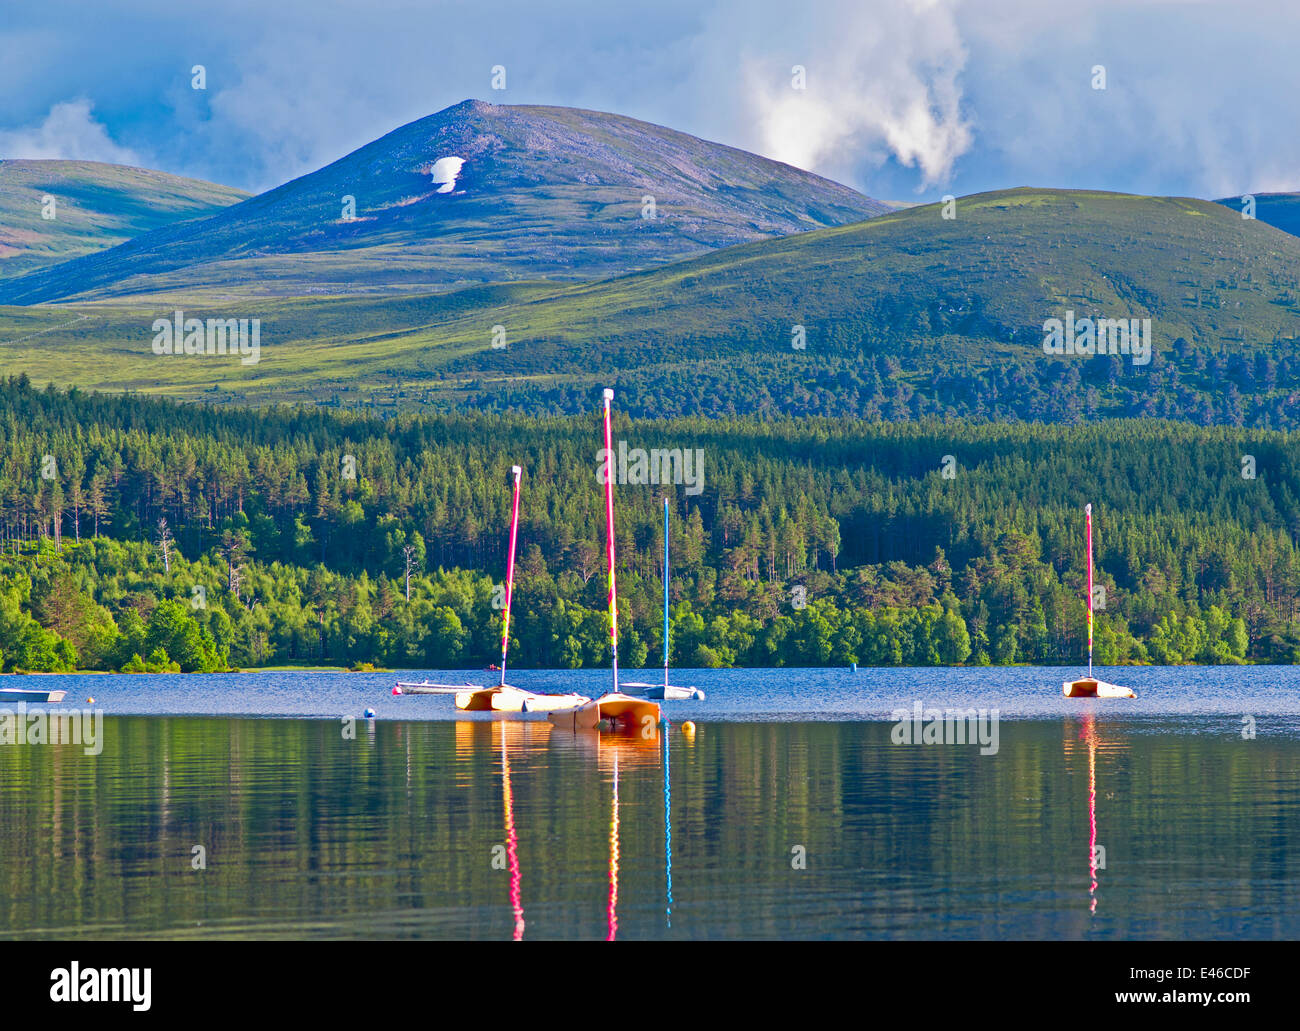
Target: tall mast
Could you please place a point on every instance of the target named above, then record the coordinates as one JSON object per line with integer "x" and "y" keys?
{"x": 1088, "y": 515}
{"x": 516, "y": 471}
{"x": 665, "y": 592}
{"x": 609, "y": 534}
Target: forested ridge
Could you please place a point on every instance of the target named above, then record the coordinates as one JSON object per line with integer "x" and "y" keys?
{"x": 143, "y": 534}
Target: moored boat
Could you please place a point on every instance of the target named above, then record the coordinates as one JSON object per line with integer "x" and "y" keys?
{"x": 503, "y": 697}
{"x": 499, "y": 697}
{"x": 424, "y": 687}
{"x": 615, "y": 711}
{"x": 671, "y": 692}
{"x": 27, "y": 694}
{"x": 1090, "y": 686}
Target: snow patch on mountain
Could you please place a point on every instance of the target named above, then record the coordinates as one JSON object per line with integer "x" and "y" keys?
{"x": 445, "y": 173}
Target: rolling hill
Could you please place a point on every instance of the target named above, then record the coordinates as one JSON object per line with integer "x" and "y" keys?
{"x": 475, "y": 193}
{"x": 96, "y": 206}
{"x": 1281, "y": 210}
{"x": 905, "y": 315}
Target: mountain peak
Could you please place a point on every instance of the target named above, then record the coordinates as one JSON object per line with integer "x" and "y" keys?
{"x": 537, "y": 192}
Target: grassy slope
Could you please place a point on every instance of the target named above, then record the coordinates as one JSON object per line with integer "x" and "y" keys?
{"x": 97, "y": 207}
{"x": 981, "y": 284}
{"x": 544, "y": 193}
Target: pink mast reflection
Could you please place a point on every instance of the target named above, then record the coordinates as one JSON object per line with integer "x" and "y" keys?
{"x": 612, "y": 908}
{"x": 512, "y": 842}
{"x": 1090, "y": 733}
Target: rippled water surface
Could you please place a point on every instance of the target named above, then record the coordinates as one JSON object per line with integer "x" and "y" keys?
{"x": 1164, "y": 693}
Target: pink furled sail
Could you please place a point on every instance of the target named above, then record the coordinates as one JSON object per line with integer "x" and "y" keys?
{"x": 510, "y": 575}
{"x": 609, "y": 533}
{"x": 1087, "y": 509}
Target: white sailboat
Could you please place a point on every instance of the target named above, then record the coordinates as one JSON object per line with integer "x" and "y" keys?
{"x": 615, "y": 711}
{"x": 666, "y": 690}
{"x": 500, "y": 697}
{"x": 1090, "y": 686}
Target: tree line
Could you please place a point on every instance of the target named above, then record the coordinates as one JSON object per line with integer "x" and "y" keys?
{"x": 137, "y": 533}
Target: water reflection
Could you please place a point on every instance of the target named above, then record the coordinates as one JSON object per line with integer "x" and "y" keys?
{"x": 1097, "y": 744}
{"x": 633, "y": 751}
{"x": 612, "y": 906}
{"x": 512, "y": 841}
{"x": 612, "y": 751}
{"x": 312, "y": 833}
{"x": 1090, "y": 735}
{"x": 668, "y": 832}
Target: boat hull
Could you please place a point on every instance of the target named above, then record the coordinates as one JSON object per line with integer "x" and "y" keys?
{"x": 22, "y": 694}
{"x": 427, "y": 688}
{"x": 612, "y": 713}
{"x": 1091, "y": 687}
{"x": 551, "y": 702}
{"x": 672, "y": 693}
{"x": 512, "y": 699}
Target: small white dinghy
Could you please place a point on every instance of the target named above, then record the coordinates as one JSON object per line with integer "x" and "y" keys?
{"x": 1090, "y": 686}
{"x": 424, "y": 687}
{"x": 671, "y": 692}
{"x": 666, "y": 691}
{"x": 24, "y": 694}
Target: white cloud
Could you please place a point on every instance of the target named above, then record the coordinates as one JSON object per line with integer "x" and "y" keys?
{"x": 929, "y": 95}
{"x": 883, "y": 83}
{"x": 69, "y": 132}
{"x": 1197, "y": 98}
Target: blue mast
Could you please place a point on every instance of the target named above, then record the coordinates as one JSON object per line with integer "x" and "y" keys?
{"x": 665, "y": 592}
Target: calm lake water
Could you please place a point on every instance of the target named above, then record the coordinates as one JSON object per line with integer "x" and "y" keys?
{"x": 788, "y": 813}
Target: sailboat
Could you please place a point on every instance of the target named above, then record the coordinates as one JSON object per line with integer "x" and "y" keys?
{"x": 667, "y": 691}
{"x": 1090, "y": 686}
{"x": 500, "y": 697}
{"x": 615, "y": 711}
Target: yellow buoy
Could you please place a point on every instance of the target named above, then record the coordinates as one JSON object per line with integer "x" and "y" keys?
{"x": 90, "y": 701}
{"x": 688, "y": 729}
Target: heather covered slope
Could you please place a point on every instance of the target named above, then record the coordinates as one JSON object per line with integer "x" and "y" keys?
{"x": 542, "y": 192}
{"x": 905, "y": 315}
{"x": 96, "y": 206}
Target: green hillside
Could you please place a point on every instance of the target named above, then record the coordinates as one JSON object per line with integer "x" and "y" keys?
{"x": 96, "y": 206}
{"x": 906, "y": 315}
{"x": 543, "y": 192}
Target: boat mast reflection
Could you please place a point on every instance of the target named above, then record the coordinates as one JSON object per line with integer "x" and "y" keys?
{"x": 1088, "y": 734}
{"x": 611, "y": 909}
{"x": 512, "y": 841}
{"x": 668, "y": 833}
{"x": 1091, "y": 732}
{"x": 617, "y": 752}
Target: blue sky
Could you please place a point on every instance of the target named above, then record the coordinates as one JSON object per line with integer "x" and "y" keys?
{"x": 904, "y": 99}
